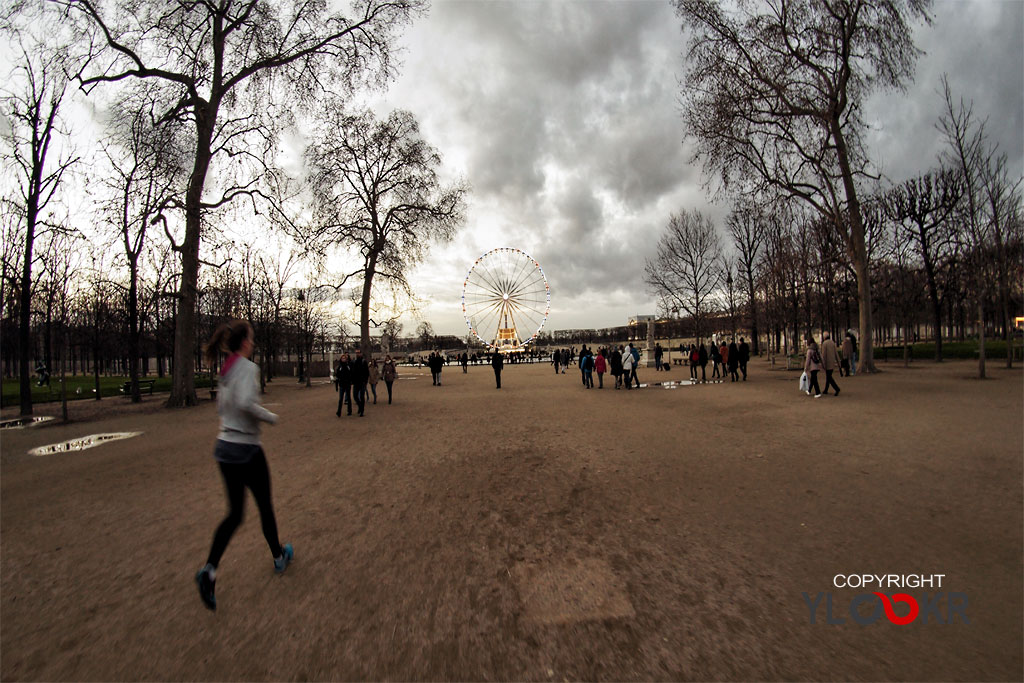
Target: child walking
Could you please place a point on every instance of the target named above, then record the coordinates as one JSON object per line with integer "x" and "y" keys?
{"x": 238, "y": 451}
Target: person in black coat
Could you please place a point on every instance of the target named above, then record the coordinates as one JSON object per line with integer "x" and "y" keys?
{"x": 360, "y": 375}
{"x": 734, "y": 361}
{"x": 615, "y": 361}
{"x": 343, "y": 382}
{"x": 497, "y": 362}
{"x": 702, "y": 360}
{"x": 744, "y": 357}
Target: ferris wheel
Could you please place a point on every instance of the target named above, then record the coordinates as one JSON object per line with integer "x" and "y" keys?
{"x": 506, "y": 299}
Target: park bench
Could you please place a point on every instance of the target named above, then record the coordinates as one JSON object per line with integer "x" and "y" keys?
{"x": 126, "y": 388}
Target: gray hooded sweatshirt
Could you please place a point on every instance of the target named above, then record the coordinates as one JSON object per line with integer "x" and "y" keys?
{"x": 238, "y": 402}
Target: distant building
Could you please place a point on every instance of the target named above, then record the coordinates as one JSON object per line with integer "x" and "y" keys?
{"x": 637, "y": 319}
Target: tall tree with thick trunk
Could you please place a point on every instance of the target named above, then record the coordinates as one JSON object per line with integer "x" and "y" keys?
{"x": 377, "y": 190}
{"x": 219, "y": 65}
{"x": 773, "y": 95}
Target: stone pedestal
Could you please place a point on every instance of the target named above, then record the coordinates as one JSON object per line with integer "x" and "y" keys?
{"x": 649, "y": 355}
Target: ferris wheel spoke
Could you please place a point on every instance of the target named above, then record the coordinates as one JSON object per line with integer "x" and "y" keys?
{"x": 531, "y": 281}
{"x": 486, "y": 284}
{"x": 482, "y": 270}
{"x": 523, "y": 275}
{"x": 521, "y": 305}
{"x": 521, "y": 270}
{"x": 484, "y": 309}
{"x": 483, "y": 325}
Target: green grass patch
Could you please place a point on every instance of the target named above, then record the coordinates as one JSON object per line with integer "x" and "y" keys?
{"x": 84, "y": 387}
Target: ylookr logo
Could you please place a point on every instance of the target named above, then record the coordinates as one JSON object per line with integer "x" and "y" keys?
{"x": 880, "y": 603}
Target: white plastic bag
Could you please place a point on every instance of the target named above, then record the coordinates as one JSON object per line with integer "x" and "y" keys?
{"x": 805, "y": 383}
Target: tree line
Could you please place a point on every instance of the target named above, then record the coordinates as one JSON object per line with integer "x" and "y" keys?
{"x": 817, "y": 240}
{"x": 149, "y": 130}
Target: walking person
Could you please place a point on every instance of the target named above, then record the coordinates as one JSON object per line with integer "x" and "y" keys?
{"x": 744, "y": 357}
{"x": 238, "y": 451}
{"x": 343, "y": 382}
{"x": 565, "y": 360}
{"x": 373, "y": 376}
{"x": 581, "y": 363}
{"x": 556, "y": 357}
{"x": 658, "y": 353}
{"x": 600, "y": 366}
{"x": 702, "y": 359}
{"x": 360, "y": 375}
{"x": 588, "y": 369}
{"x": 635, "y": 352}
{"x": 716, "y": 360}
{"x": 390, "y": 373}
{"x": 627, "y": 367}
{"x": 812, "y": 364}
{"x": 465, "y": 363}
{"x": 844, "y": 362}
{"x": 723, "y": 351}
{"x": 853, "y": 353}
{"x": 734, "y": 361}
{"x": 694, "y": 362}
{"x": 615, "y": 362}
{"x": 829, "y": 360}
{"x": 497, "y": 362}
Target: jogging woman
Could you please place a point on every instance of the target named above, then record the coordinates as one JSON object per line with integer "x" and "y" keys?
{"x": 238, "y": 451}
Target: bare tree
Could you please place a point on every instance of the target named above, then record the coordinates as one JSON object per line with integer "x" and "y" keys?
{"x": 968, "y": 154}
{"x": 146, "y": 169}
{"x": 425, "y": 333}
{"x": 746, "y": 225}
{"x": 687, "y": 270}
{"x": 377, "y": 190}
{"x": 39, "y": 154}
{"x": 773, "y": 97}
{"x": 1002, "y": 198}
{"x": 217, "y": 65}
{"x": 923, "y": 206}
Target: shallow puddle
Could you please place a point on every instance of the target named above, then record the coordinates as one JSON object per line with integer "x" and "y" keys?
{"x": 82, "y": 443}
{"x": 18, "y": 422}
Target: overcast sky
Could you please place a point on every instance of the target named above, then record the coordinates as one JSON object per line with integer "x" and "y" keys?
{"x": 564, "y": 119}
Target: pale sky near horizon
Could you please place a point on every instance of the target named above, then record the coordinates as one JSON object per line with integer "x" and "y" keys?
{"x": 564, "y": 118}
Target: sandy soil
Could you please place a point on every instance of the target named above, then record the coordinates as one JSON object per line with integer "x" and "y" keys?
{"x": 541, "y": 532}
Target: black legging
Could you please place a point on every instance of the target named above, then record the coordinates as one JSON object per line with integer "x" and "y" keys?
{"x": 814, "y": 388}
{"x": 256, "y": 476}
{"x": 388, "y": 384}
{"x": 345, "y": 397}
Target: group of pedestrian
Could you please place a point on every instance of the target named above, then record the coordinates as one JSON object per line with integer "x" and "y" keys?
{"x": 826, "y": 358}
{"x": 352, "y": 375}
{"x": 622, "y": 362}
{"x": 731, "y": 358}
{"x": 436, "y": 362}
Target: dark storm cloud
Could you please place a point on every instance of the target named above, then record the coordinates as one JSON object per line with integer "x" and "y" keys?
{"x": 564, "y": 118}
{"x": 980, "y": 47}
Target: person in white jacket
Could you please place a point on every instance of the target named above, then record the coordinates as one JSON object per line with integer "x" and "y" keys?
{"x": 627, "y": 366}
{"x": 238, "y": 451}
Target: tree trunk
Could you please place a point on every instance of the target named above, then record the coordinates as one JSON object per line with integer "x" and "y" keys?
{"x": 133, "y": 331}
{"x": 183, "y": 386}
{"x": 364, "y": 307}
{"x": 981, "y": 337}
{"x": 857, "y": 251}
{"x": 24, "y": 331}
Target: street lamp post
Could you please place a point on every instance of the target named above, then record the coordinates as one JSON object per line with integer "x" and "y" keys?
{"x": 732, "y": 317}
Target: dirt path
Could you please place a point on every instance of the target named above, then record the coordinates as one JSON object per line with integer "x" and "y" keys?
{"x": 541, "y": 532}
